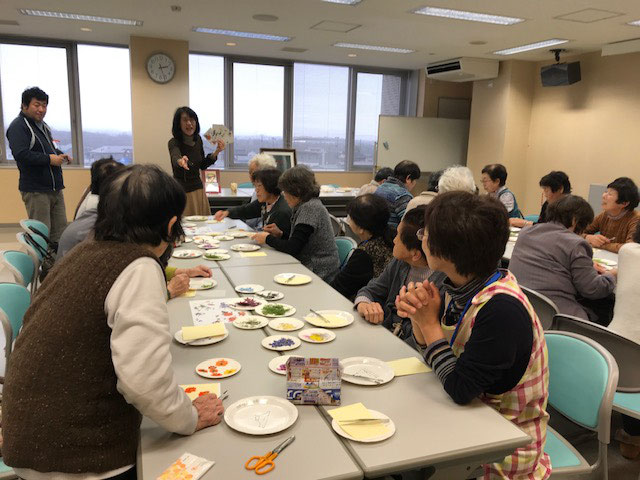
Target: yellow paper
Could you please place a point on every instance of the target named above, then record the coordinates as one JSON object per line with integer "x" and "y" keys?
{"x": 408, "y": 366}
{"x": 204, "y": 331}
{"x": 252, "y": 254}
{"x": 361, "y": 431}
{"x": 199, "y": 388}
{"x": 189, "y": 294}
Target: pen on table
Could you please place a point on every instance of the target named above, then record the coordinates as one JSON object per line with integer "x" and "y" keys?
{"x": 224, "y": 395}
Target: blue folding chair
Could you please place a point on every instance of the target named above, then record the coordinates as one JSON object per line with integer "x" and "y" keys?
{"x": 36, "y": 248}
{"x": 345, "y": 246}
{"x": 532, "y": 218}
{"x": 583, "y": 377}
{"x": 20, "y": 265}
{"x": 14, "y": 302}
{"x": 6, "y": 472}
{"x": 245, "y": 185}
{"x": 37, "y": 224}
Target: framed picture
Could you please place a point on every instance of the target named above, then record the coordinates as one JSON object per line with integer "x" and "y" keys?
{"x": 285, "y": 157}
{"x": 211, "y": 180}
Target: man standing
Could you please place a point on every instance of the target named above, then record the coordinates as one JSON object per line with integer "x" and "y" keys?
{"x": 39, "y": 163}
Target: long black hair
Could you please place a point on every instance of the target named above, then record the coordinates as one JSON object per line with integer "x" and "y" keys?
{"x": 371, "y": 213}
{"x": 175, "y": 128}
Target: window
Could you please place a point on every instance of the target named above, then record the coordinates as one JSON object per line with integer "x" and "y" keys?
{"x": 206, "y": 95}
{"x": 106, "y": 124}
{"x": 377, "y": 94}
{"x": 258, "y": 110}
{"x": 320, "y": 99}
{"x": 47, "y": 69}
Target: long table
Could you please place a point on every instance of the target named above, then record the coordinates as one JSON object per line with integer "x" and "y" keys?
{"x": 432, "y": 432}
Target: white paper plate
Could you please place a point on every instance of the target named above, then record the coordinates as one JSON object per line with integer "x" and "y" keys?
{"x": 249, "y": 323}
{"x": 292, "y": 279}
{"x": 249, "y": 287}
{"x": 201, "y": 341}
{"x": 238, "y": 233}
{"x": 188, "y": 224}
{"x": 232, "y": 367}
{"x": 278, "y": 364}
{"x": 271, "y": 295}
{"x": 316, "y": 335}
{"x": 213, "y": 220}
{"x": 218, "y": 250}
{"x": 187, "y": 254}
{"x": 187, "y": 240}
{"x": 216, "y": 257}
{"x": 266, "y": 343}
{"x": 605, "y": 262}
{"x": 261, "y": 415}
{"x": 245, "y": 247}
{"x": 286, "y": 324}
{"x": 260, "y": 310}
{"x": 368, "y": 366}
{"x": 259, "y": 302}
{"x": 515, "y": 229}
{"x": 202, "y": 283}
{"x": 375, "y": 414}
{"x": 196, "y": 218}
{"x": 224, "y": 238}
{"x": 208, "y": 245}
{"x": 337, "y": 319}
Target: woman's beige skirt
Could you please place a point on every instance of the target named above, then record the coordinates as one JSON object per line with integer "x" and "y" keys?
{"x": 197, "y": 203}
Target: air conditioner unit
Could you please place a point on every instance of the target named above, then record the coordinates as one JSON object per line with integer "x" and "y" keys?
{"x": 463, "y": 69}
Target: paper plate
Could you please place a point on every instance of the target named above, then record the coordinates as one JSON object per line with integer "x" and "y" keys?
{"x": 288, "y": 310}
{"x": 514, "y": 229}
{"x": 261, "y": 415}
{"x": 337, "y": 319}
{"x": 224, "y": 367}
{"x": 214, "y": 221}
{"x": 201, "y": 341}
{"x": 286, "y": 324}
{"x": 208, "y": 245}
{"x": 187, "y": 240}
{"x": 605, "y": 262}
{"x": 370, "y": 367}
{"x": 249, "y": 288}
{"x": 293, "y": 342}
{"x": 270, "y": 295}
{"x": 245, "y": 247}
{"x": 202, "y": 283}
{"x": 224, "y": 238}
{"x": 188, "y": 224}
{"x": 292, "y": 279}
{"x": 316, "y": 335}
{"x": 253, "y": 303}
{"x": 196, "y": 218}
{"x": 252, "y": 322}
{"x": 216, "y": 256}
{"x": 186, "y": 254}
{"x": 375, "y": 414}
{"x": 238, "y": 233}
{"x": 279, "y": 364}
{"x": 218, "y": 250}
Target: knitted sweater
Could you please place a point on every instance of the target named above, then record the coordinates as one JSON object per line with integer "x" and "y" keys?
{"x": 620, "y": 229}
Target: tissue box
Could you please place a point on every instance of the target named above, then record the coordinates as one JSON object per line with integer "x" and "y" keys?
{"x": 314, "y": 381}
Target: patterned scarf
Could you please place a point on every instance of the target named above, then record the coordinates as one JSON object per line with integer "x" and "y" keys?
{"x": 460, "y": 296}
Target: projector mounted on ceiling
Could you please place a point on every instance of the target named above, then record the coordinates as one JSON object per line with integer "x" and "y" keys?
{"x": 463, "y": 69}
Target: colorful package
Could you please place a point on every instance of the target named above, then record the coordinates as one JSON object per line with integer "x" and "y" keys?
{"x": 314, "y": 381}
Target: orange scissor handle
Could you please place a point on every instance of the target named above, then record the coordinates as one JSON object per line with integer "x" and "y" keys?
{"x": 262, "y": 465}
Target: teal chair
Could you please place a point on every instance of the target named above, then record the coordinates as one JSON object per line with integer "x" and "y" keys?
{"x": 532, "y": 218}
{"x": 345, "y": 246}
{"x": 6, "y": 472}
{"x": 36, "y": 251}
{"x": 583, "y": 377}
{"x": 20, "y": 265}
{"x": 25, "y": 224}
{"x": 14, "y": 302}
{"x": 245, "y": 185}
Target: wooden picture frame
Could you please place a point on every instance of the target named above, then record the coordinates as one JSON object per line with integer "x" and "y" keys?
{"x": 211, "y": 181}
{"x": 285, "y": 157}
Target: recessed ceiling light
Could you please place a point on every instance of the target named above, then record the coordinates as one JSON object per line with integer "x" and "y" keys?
{"x": 231, "y": 44}
{"x": 343, "y": 2}
{"x": 352, "y": 55}
{"x": 531, "y": 46}
{"x": 79, "y": 16}
{"x": 265, "y": 18}
{"x": 635, "y": 23}
{"x": 234, "y": 33}
{"x": 470, "y": 16}
{"x": 86, "y": 29}
{"x": 373, "y": 47}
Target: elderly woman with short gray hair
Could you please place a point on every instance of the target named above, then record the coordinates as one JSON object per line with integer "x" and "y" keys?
{"x": 311, "y": 240}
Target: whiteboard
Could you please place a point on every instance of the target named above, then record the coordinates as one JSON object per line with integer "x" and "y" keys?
{"x": 432, "y": 143}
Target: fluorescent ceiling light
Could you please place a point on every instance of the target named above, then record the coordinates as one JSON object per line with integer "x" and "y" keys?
{"x": 470, "y": 16}
{"x": 343, "y": 2}
{"x": 531, "y": 46}
{"x": 234, "y": 33}
{"x": 635, "y": 23}
{"x": 79, "y": 16}
{"x": 373, "y": 47}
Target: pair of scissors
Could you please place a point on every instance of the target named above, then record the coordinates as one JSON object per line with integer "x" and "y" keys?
{"x": 265, "y": 463}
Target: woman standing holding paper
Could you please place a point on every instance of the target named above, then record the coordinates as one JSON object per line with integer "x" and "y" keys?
{"x": 188, "y": 158}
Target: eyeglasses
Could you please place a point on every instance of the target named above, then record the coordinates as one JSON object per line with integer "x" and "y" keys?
{"x": 420, "y": 234}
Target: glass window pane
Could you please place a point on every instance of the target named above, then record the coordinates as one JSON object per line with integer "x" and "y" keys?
{"x": 320, "y": 97}
{"x": 47, "y": 69}
{"x": 258, "y": 109}
{"x": 106, "y": 125}
{"x": 206, "y": 95}
{"x": 377, "y": 95}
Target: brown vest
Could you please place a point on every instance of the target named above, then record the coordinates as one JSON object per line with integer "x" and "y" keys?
{"x": 62, "y": 411}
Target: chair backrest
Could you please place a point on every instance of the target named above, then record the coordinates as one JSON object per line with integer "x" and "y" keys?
{"x": 532, "y": 218}
{"x": 583, "y": 377}
{"x": 25, "y": 224}
{"x": 544, "y": 307}
{"x": 338, "y": 229}
{"x": 40, "y": 247}
{"x": 20, "y": 264}
{"x": 14, "y": 302}
{"x": 625, "y": 351}
{"x": 345, "y": 247}
{"x": 245, "y": 185}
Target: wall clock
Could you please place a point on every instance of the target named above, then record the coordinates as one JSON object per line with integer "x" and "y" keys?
{"x": 161, "y": 68}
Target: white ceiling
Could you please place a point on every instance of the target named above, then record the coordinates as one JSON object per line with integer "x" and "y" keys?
{"x": 383, "y": 22}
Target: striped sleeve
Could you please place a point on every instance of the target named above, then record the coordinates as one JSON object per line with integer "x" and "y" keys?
{"x": 440, "y": 357}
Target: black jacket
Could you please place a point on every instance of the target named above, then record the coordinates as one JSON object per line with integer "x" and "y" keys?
{"x": 31, "y": 148}
{"x": 280, "y": 214}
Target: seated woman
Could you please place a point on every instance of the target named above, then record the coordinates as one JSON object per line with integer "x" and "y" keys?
{"x": 618, "y": 221}
{"x": 93, "y": 355}
{"x": 311, "y": 240}
{"x": 269, "y": 207}
{"x": 367, "y": 216}
{"x": 554, "y": 260}
{"x": 555, "y": 185}
{"x": 494, "y": 179}
{"x": 489, "y": 343}
{"x": 376, "y": 301}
